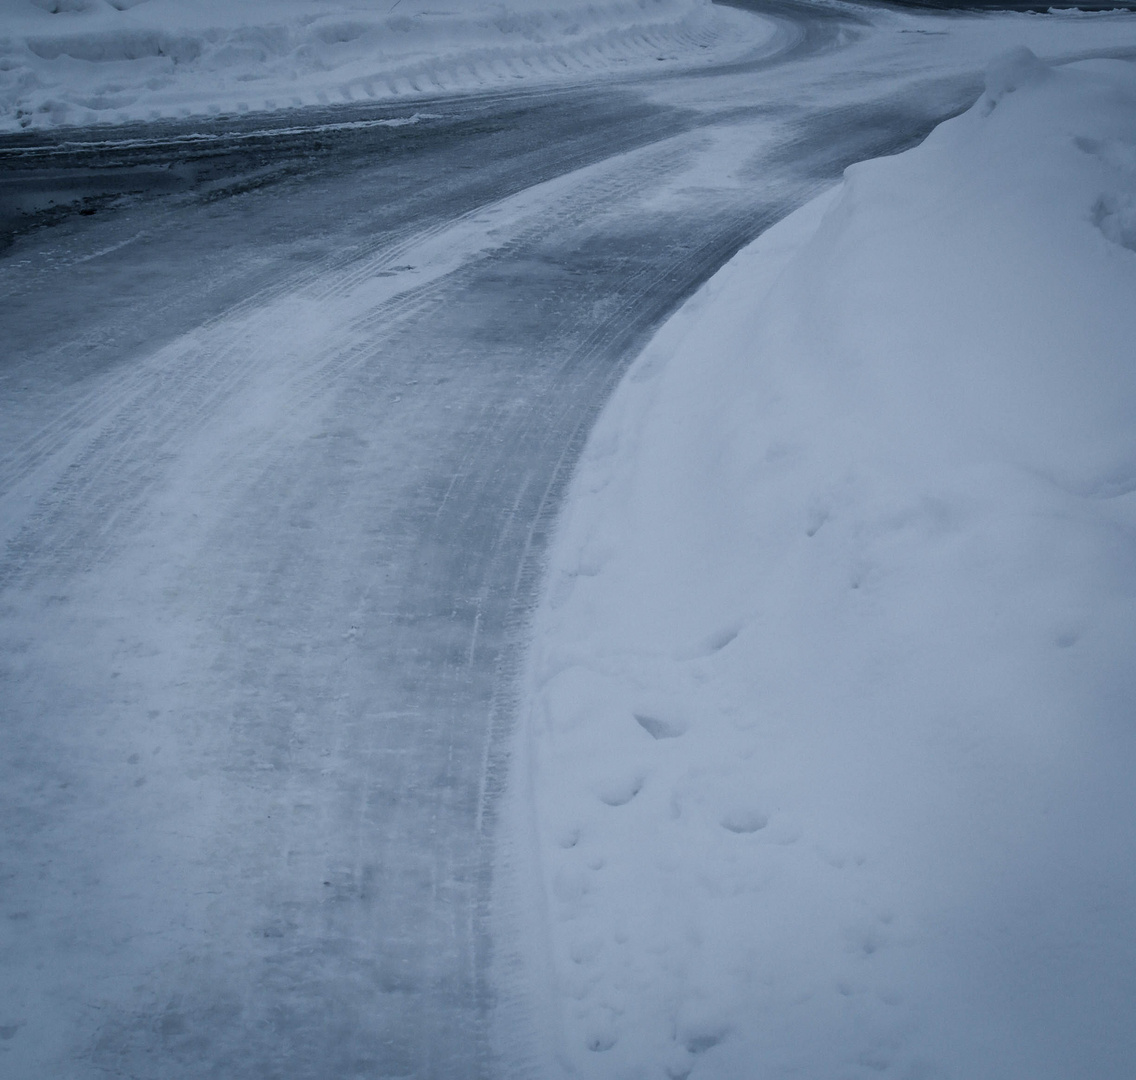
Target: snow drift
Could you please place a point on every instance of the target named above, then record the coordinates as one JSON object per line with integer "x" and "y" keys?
{"x": 827, "y": 753}
{"x": 91, "y": 61}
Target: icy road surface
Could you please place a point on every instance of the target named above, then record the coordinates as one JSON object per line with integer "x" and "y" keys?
{"x": 283, "y": 439}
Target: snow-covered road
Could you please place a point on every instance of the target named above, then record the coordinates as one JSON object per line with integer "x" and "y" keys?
{"x": 281, "y": 450}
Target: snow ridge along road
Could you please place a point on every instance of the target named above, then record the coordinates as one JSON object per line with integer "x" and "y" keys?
{"x": 829, "y": 703}
{"x": 281, "y": 453}
{"x": 82, "y": 62}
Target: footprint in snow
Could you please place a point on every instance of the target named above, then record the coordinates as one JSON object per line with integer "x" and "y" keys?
{"x": 815, "y": 519}
{"x": 741, "y": 820}
{"x": 661, "y": 727}
{"x": 586, "y": 952}
{"x": 699, "y": 1040}
{"x": 621, "y": 791}
{"x": 718, "y": 640}
{"x": 569, "y": 838}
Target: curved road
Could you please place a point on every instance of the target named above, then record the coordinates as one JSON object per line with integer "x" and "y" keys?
{"x": 286, "y": 421}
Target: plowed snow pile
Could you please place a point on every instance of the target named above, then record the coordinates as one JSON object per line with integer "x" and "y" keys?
{"x": 831, "y": 727}
{"x": 94, "y": 61}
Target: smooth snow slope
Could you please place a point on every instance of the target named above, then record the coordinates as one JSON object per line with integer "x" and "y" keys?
{"x": 830, "y": 728}
{"x": 99, "y": 61}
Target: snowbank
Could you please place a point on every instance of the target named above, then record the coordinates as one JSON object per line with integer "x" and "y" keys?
{"x": 830, "y": 736}
{"x": 90, "y": 61}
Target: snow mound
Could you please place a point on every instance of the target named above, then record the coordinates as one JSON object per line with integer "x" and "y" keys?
{"x": 828, "y": 748}
{"x": 1012, "y": 70}
{"x": 92, "y": 61}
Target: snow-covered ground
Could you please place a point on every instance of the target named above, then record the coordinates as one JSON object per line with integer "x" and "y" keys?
{"x": 827, "y": 698}
{"x": 829, "y": 736}
{"x": 97, "y": 61}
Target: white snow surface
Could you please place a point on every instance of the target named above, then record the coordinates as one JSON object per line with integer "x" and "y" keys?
{"x": 111, "y": 61}
{"x": 828, "y": 740}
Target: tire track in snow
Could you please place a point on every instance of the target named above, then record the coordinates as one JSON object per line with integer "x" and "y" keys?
{"x": 305, "y": 623}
